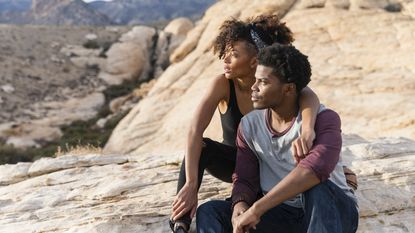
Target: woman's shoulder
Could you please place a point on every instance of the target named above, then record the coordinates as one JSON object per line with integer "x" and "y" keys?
{"x": 220, "y": 82}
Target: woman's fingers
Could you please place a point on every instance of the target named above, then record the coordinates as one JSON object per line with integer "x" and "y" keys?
{"x": 294, "y": 153}
{"x": 193, "y": 212}
{"x": 304, "y": 147}
{"x": 177, "y": 212}
{"x": 180, "y": 213}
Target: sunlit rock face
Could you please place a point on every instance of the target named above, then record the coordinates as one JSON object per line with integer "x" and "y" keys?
{"x": 361, "y": 54}
{"x": 123, "y": 194}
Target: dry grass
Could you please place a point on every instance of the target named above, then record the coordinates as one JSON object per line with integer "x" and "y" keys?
{"x": 78, "y": 150}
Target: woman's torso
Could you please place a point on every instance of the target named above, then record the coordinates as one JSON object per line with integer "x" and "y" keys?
{"x": 231, "y": 117}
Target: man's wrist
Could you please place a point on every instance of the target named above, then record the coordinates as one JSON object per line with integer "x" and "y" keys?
{"x": 258, "y": 209}
{"x": 237, "y": 202}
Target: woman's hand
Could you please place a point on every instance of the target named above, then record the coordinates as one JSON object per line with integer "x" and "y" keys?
{"x": 185, "y": 201}
{"x": 302, "y": 145}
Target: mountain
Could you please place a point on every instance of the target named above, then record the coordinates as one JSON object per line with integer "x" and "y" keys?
{"x": 50, "y": 12}
{"x": 66, "y": 12}
{"x": 15, "y": 5}
{"x": 148, "y": 11}
{"x": 77, "y": 12}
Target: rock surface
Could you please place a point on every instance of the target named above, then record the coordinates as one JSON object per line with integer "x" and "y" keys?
{"x": 361, "y": 55}
{"x": 126, "y": 194}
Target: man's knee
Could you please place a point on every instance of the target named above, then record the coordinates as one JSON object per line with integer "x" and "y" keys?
{"x": 322, "y": 191}
{"x": 207, "y": 210}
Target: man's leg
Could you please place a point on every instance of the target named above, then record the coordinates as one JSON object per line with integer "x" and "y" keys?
{"x": 281, "y": 219}
{"x": 214, "y": 217}
{"x": 329, "y": 210}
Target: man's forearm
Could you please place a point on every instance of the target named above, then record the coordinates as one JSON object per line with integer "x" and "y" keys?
{"x": 297, "y": 181}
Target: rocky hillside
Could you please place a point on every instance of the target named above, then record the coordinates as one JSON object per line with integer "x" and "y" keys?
{"x": 363, "y": 71}
{"x": 55, "y": 76}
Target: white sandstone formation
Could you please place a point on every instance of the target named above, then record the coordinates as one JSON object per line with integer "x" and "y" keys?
{"x": 126, "y": 194}
{"x": 362, "y": 61}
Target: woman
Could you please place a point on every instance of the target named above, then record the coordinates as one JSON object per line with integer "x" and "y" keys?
{"x": 237, "y": 44}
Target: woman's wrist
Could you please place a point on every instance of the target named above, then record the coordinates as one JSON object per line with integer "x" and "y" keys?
{"x": 191, "y": 183}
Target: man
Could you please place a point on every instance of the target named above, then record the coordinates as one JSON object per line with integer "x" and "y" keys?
{"x": 298, "y": 195}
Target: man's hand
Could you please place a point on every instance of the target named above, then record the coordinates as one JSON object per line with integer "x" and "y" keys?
{"x": 185, "y": 201}
{"x": 238, "y": 209}
{"x": 249, "y": 219}
{"x": 302, "y": 145}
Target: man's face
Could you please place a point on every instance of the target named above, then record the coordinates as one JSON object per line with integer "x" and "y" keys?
{"x": 268, "y": 91}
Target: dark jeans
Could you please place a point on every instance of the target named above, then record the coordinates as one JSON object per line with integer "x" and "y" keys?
{"x": 327, "y": 209}
{"x": 218, "y": 159}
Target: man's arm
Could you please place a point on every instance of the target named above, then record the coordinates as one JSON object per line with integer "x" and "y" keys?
{"x": 315, "y": 168}
{"x": 246, "y": 176}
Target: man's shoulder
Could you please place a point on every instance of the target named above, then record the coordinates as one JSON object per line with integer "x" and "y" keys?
{"x": 328, "y": 116}
{"x": 254, "y": 116}
{"x": 253, "y": 121}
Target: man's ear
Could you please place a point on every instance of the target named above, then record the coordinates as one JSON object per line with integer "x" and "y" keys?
{"x": 290, "y": 89}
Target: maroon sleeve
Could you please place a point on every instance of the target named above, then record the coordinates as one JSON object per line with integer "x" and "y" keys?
{"x": 324, "y": 154}
{"x": 246, "y": 176}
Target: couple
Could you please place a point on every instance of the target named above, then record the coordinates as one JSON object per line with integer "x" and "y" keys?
{"x": 281, "y": 177}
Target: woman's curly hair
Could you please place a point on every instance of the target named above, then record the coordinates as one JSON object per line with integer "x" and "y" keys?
{"x": 268, "y": 27}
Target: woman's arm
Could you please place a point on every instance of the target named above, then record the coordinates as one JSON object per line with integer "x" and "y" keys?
{"x": 186, "y": 199}
{"x": 309, "y": 106}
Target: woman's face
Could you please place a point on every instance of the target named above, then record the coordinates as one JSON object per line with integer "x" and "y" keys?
{"x": 239, "y": 60}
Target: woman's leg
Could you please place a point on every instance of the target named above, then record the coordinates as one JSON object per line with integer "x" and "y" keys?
{"x": 218, "y": 159}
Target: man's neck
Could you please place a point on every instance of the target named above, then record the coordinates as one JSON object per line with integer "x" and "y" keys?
{"x": 282, "y": 116}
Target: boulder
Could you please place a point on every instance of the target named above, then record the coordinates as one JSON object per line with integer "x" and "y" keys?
{"x": 129, "y": 58}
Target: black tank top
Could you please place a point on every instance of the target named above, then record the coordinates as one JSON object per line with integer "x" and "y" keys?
{"x": 231, "y": 118}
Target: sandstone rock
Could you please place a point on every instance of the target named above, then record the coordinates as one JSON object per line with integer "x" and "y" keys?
{"x": 79, "y": 51}
{"x": 7, "y": 88}
{"x": 352, "y": 73}
{"x": 32, "y": 135}
{"x": 117, "y": 103}
{"x": 179, "y": 26}
{"x": 91, "y": 36}
{"x": 130, "y": 57}
{"x": 85, "y": 62}
{"x": 83, "y": 108}
{"x": 10, "y": 174}
{"x": 122, "y": 194}
{"x": 188, "y": 44}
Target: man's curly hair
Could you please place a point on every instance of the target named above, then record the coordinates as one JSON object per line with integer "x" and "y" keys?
{"x": 287, "y": 63}
{"x": 268, "y": 27}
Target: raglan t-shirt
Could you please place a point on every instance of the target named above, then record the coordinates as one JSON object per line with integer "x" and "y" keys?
{"x": 264, "y": 156}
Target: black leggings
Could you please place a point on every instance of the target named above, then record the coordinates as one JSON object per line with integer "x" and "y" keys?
{"x": 218, "y": 159}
